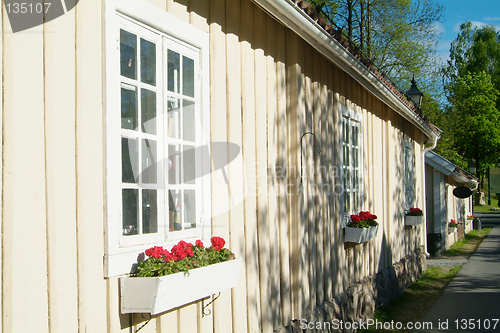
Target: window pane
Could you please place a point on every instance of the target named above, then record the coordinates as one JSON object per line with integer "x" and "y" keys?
{"x": 129, "y": 106}
{"x": 347, "y": 160}
{"x": 149, "y": 212}
{"x": 188, "y": 119}
{"x": 148, "y": 111}
{"x": 174, "y": 160}
{"x": 189, "y": 164}
{"x": 173, "y": 71}
{"x": 149, "y": 161}
{"x": 173, "y": 115}
{"x": 347, "y": 202}
{"x": 187, "y": 76}
{"x": 347, "y": 180}
{"x": 129, "y": 211}
{"x": 128, "y": 54}
{"x": 130, "y": 160}
{"x": 148, "y": 62}
{"x": 174, "y": 218}
{"x": 346, "y": 133}
{"x": 189, "y": 209}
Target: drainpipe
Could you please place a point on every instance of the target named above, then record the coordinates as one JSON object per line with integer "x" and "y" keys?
{"x": 431, "y": 147}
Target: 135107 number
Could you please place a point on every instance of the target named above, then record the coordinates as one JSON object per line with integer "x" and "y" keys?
{"x": 27, "y": 8}
{"x": 472, "y": 324}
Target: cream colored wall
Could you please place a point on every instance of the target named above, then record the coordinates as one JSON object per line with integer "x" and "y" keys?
{"x": 268, "y": 88}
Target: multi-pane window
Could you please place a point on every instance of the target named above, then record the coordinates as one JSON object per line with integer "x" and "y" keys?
{"x": 157, "y": 132}
{"x": 351, "y": 161}
{"x": 160, "y": 134}
{"x": 408, "y": 175}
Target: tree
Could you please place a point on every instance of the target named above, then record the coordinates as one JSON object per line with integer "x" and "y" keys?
{"x": 474, "y": 50}
{"x": 398, "y": 36}
{"x": 474, "y": 119}
{"x": 472, "y": 84}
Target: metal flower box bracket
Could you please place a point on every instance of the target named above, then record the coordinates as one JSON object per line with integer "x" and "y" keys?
{"x": 413, "y": 220}
{"x": 159, "y": 294}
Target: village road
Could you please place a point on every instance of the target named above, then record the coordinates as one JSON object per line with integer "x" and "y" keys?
{"x": 471, "y": 302}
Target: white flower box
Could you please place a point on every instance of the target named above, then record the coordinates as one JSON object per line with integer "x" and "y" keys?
{"x": 356, "y": 235}
{"x": 413, "y": 220}
{"x": 159, "y": 294}
{"x": 372, "y": 233}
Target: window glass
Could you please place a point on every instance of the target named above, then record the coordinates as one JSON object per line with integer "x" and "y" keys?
{"x": 130, "y": 160}
{"x": 129, "y": 211}
{"x": 189, "y": 164}
{"x": 173, "y": 115}
{"x": 129, "y": 106}
{"x": 174, "y": 161}
{"x": 148, "y": 62}
{"x": 128, "y": 54}
{"x": 148, "y": 111}
{"x": 187, "y": 76}
{"x": 173, "y": 71}
{"x": 149, "y": 211}
{"x": 149, "y": 162}
{"x": 188, "y": 120}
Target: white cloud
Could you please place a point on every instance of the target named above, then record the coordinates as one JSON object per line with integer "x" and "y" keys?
{"x": 439, "y": 27}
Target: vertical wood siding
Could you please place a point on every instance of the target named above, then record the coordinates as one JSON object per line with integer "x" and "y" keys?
{"x": 272, "y": 94}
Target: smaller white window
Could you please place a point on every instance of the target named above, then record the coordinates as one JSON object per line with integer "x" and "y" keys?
{"x": 409, "y": 184}
{"x": 352, "y": 166}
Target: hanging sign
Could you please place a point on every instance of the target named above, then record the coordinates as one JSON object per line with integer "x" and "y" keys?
{"x": 462, "y": 192}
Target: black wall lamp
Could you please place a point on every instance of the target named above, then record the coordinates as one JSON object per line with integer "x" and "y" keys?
{"x": 415, "y": 95}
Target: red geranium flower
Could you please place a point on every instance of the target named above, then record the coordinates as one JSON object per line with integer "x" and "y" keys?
{"x": 355, "y": 218}
{"x": 155, "y": 252}
{"x": 199, "y": 243}
{"x": 364, "y": 215}
{"x": 217, "y": 243}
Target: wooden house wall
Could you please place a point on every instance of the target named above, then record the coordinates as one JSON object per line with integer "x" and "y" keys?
{"x": 268, "y": 89}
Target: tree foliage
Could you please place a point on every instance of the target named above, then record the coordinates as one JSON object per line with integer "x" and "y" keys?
{"x": 472, "y": 85}
{"x": 474, "y": 50}
{"x": 399, "y": 36}
{"x": 474, "y": 118}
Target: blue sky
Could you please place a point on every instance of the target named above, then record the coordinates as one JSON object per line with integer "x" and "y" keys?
{"x": 479, "y": 12}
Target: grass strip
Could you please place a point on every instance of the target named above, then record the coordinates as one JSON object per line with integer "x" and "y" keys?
{"x": 467, "y": 246}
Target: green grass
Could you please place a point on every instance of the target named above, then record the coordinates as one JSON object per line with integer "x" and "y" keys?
{"x": 468, "y": 245}
{"x": 487, "y": 208}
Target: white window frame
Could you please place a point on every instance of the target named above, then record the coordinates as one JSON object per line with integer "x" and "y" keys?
{"x": 351, "y": 118}
{"x": 409, "y": 171}
{"x": 121, "y": 252}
